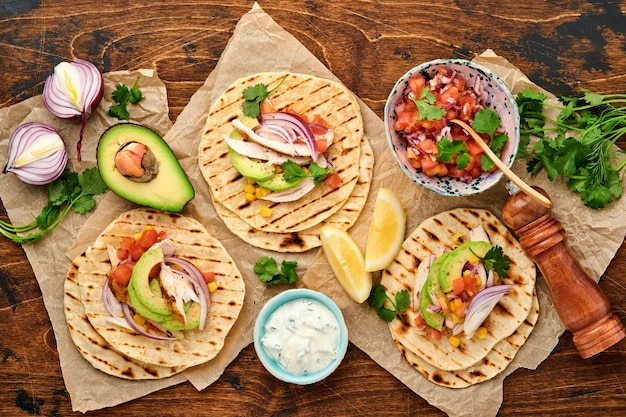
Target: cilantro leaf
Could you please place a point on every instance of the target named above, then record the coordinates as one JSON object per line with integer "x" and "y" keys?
{"x": 292, "y": 171}
{"x": 266, "y": 269}
{"x": 448, "y": 149}
{"x": 318, "y": 173}
{"x": 495, "y": 260}
{"x": 123, "y": 95}
{"x": 254, "y": 95}
{"x": 486, "y": 121}
{"x": 426, "y": 107}
{"x": 401, "y": 301}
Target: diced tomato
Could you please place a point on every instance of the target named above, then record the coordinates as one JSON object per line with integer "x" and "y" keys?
{"x": 161, "y": 235}
{"x": 448, "y": 96}
{"x": 318, "y": 120}
{"x": 419, "y": 322}
{"x": 321, "y": 144}
{"x": 136, "y": 252}
{"x": 417, "y": 84}
{"x": 441, "y": 170}
{"x": 428, "y": 146}
{"x": 429, "y": 164}
{"x": 148, "y": 238}
{"x": 473, "y": 148}
{"x": 459, "y": 83}
{"x": 209, "y": 277}
{"x": 458, "y": 286}
{"x": 266, "y": 107}
{"x": 333, "y": 180}
{"x": 406, "y": 120}
{"x": 122, "y": 273}
{"x": 470, "y": 284}
{"x": 154, "y": 271}
{"x": 433, "y": 333}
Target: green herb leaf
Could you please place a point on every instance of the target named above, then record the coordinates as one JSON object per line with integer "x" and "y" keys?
{"x": 318, "y": 173}
{"x": 123, "y": 95}
{"x": 292, "y": 171}
{"x": 266, "y": 269}
{"x": 495, "y": 260}
{"x": 254, "y": 95}
{"x": 426, "y": 107}
{"x": 400, "y": 303}
{"x": 486, "y": 121}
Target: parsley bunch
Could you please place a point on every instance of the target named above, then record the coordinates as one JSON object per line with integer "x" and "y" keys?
{"x": 71, "y": 191}
{"x": 123, "y": 95}
{"x": 400, "y": 302}
{"x": 579, "y": 145}
{"x": 266, "y": 269}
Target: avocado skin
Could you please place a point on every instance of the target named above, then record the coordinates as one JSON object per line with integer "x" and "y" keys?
{"x": 258, "y": 171}
{"x": 169, "y": 191}
{"x": 452, "y": 268}
{"x": 434, "y": 320}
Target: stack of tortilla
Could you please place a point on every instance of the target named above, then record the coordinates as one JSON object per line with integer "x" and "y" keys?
{"x": 292, "y": 226}
{"x": 123, "y": 353}
{"x": 509, "y": 324}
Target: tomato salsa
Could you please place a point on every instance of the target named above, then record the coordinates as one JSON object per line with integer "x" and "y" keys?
{"x": 435, "y": 146}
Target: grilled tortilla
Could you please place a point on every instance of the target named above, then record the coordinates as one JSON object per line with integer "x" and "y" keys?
{"x": 93, "y": 347}
{"x": 436, "y": 235}
{"x": 193, "y": 242}
{"x": 306, "y": 95}
{"x": 309, "y": 238}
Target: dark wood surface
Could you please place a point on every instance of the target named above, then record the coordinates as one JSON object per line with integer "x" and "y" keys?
{"x": 561, "y": 45}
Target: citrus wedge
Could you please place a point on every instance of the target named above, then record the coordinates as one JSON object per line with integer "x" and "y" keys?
{"x": 347, "y": 262}
{"x": 386, "y": 232}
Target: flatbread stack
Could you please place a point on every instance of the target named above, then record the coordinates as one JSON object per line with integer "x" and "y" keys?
{"x": 292, "y": 226}
{"x": 509, "y": 324}
{"x": 124, "y": 353}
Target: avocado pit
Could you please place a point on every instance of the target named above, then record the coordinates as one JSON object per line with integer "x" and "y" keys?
{"x": 135, "y": 161}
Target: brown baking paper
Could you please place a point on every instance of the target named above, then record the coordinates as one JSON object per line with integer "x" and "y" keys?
{"x": 265, "y": 46}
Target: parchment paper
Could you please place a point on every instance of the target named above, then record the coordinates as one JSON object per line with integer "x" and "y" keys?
{"x": 265, "y": 46}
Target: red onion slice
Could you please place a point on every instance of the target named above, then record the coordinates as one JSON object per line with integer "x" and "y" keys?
{"x": 131, "y": 322}
{"x": 481, "y": 305}
{"x": 73, "y": 90}
{"x": 296, "y": 123}
{"x": 199, "y": 284}
{"x": 36, "y": 154}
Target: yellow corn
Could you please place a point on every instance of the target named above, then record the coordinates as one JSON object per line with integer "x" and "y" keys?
{"x": 456, "y": 318}
{"x": 467, "y": 273}
{"x": 264, "y": 191}
{"x": 474, "y": 260}
{"x": 140, "y": 320}
{"x": 212, "y": 286}
{"x": 265, "y": 211}
{"x": 148, "y": 227}
{"x": 481, "y": 333}
{"x": 249, "y": 188}
{"x": 137, "y": 236}
{"x": 454, "y": 341}
{"x": 456, "y": 304}
{"x": 250, "y": 197}
{"x": 479, "y": 281}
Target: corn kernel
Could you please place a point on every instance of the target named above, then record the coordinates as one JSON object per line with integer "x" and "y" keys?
{"x": 148, "y": 227}
{"x": 454, "y": 341}
{"x": 212, "y": 286}
{"x": 140, "y": 320}
{"x": 479, "y": 282}
{"x": 264, "y": 191}
{"x": 250, "y": 197}
{"x": 265, "y": 211}
{"x": 456, "y": 318}
{"x": 481, "y": 333}
{"x": 467, "y": 273}
{"x": 137, "y": 236}
{"x": 258, "y": 193}
{"x": 474, "y": 260}
{"x": 249, "y": 188}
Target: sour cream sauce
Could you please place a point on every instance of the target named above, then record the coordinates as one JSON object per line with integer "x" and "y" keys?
{"x": 302, "y": 336}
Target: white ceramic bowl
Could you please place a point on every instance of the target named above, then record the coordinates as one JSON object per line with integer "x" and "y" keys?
{"x": 499, "y": 98}
{"x": 259, "y": 331}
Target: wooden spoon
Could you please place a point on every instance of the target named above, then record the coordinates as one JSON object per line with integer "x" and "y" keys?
{"x": 528, "y": 190}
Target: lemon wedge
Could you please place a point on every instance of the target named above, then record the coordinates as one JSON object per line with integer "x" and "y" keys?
{"x": 347, "y": 262}
{"x": 386, "y": 232}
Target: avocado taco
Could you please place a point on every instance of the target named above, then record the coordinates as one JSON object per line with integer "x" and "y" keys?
{"x": 291, "y": 165}
{"x": 155, "y": 290}
{"x": 472, "y": 287}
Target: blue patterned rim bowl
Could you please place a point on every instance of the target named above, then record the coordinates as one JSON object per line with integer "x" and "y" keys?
{"x": 499, "y": 98}
{"x": 274, "y": 367}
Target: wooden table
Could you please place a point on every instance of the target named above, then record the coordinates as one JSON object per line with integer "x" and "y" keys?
{"x": 560, "y": 45}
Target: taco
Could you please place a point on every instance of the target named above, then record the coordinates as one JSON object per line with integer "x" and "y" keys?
{"x": 178, "y": 303}
{"x": 311, "y": 134}
{"x": 437, "y": 253}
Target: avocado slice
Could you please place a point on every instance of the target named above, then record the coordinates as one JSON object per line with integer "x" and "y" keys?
{"x": 434, "y": 320}
{"x": 140, "y": 283}
{"x": 249, "y": 168}
{"x": 138, "y": 165}
{"x": 452, "y": 268}
{"x": 278, "y": 183}
{"x": 193, "y": 318}
{"x": 145, "y": 311}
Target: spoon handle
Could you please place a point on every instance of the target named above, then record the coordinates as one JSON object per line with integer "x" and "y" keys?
{"x": 580, "y": 302}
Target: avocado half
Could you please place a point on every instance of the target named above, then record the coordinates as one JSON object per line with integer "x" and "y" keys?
{"x": 157, "y": 180}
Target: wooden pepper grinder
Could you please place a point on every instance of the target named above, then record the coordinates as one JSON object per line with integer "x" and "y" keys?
{"x": 581, "y": 304}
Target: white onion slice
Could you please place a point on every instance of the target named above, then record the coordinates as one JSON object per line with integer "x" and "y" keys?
{"x": 481, "y": 305}
{"x": 73, "y": 90}
{"x": 36, "y": 154}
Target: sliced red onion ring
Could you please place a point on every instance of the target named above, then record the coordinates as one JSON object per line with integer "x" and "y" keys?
{"x": 131, "y": 322}
{"x": 199, "y": 284}
{"x": 296, "y": 123}
{"x": 36, "y": 153}
{"x": 73, "y": 90}
{"x": 481, "y": 305}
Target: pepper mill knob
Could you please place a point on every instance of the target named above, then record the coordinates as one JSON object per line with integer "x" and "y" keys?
{"x": 580, "y": 303}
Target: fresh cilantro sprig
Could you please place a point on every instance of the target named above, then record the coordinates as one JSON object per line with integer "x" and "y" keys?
{"x": 447, "y": 149}
{"x": 495, "y": 260}
{"x": 488, "y": 121}
{"x": 71, "y": 191}
{"x": 400, "y": 302}
{"x": 577, "y": 145}
{"x": 254, "y": 95}
{"x": 293, "y": 172}
{"x": 426, "y": 107}
{"x": 123, "y": 95}
{"x": 266, "y": 269}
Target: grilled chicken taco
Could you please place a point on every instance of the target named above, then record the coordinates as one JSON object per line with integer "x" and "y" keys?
{"x": 293, "y": 160}
{"x": 158, "y": 289}
{"x": 471, "y": 284}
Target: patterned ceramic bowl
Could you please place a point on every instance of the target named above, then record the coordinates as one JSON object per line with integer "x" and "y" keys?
{"x": 498, "y": 98}
{"x": 300, "y": 331}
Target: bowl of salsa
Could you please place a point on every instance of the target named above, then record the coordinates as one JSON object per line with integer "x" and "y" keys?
{"x": 437, "y": 153}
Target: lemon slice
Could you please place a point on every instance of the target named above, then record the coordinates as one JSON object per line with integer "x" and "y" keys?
{"x": 386, "y": 232}
{"x": 347, "y": 262}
